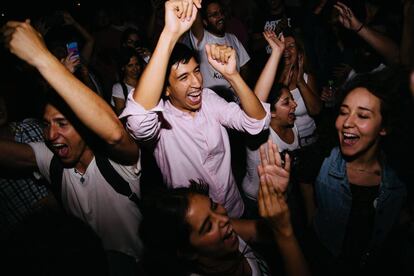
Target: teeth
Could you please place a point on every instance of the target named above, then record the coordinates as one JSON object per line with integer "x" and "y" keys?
{"x": 349, "y": 135}
{"x": 228, "y": 235}
{"x": 194, "y": 94}
{"x": 58, "y": 146}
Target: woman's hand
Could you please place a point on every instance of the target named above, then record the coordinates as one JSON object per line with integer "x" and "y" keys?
{"x": 300, "y": 72}
{"x": 71, "y": 63}
{"x": 347, "y": 17}
{"x": 276, "y": 171}
{"x": 274, "y": 178}
{"x": 276, "y": 43}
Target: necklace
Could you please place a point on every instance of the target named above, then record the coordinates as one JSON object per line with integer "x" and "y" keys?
{"x": 376, "y": 172}
{"x": 82, "y": 179}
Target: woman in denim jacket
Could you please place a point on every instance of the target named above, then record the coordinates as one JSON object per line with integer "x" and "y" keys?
{"x": 359, "y": 195}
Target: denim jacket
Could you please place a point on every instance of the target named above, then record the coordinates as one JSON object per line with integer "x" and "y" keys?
{"x": 334, "y": 199}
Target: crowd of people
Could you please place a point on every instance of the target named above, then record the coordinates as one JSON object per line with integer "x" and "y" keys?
{"x": 214, "y": 137}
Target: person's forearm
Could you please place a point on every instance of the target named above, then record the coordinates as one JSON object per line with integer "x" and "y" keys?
{"x": 295, "y": 263}
{"x": 198, "y": 28}
{"x": 87, "y": 48}
{"x": 310, "y": 98}
{"x": 150, "y": 87}
{"x": 248, "y": 100}
{"x": 85, "y": 103}
{"x": 16, "y": 156}
{"x": 267, "y": 77}
{"x": 382, "y": 44}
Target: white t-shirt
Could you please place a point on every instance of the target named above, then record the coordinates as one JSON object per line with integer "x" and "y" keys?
{"x": 211, "y": 78}
{"x": 117, "y": 92}
{"x": 113, "y": 216}
{"x": 251, "y": 180}
{"x": 305, "y": 123}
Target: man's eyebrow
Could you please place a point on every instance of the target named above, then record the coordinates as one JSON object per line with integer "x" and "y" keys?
{"x": 182, "y": 75}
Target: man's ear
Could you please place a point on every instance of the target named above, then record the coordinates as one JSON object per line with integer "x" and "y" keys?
{"x": 383, "y": 131}
{"x": 205, "y": 23}
{"x": 167, "y": 91}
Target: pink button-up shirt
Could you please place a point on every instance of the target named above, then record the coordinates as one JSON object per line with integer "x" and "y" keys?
{"x": 198, "y": 147}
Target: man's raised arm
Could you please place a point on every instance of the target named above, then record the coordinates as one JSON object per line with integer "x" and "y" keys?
{"x": 26, "y": 43}
{"x": 179, "y": 16}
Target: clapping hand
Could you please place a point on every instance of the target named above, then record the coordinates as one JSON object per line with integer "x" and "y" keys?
{"x": 287, "y": 74}
{"x": 276, "y": 43}
{"x": 276, "y": 171}
{"x": 274, "y": 178}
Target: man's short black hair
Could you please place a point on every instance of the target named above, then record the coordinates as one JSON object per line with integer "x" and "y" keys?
{"x": 53, "y": 99}
{"x": 180, "y": 54}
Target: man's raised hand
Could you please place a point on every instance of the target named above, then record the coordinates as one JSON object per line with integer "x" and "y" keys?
{"x": 222, "y": 58}
{"x": 180, "y": 15}
{"x": 24, "y": 41}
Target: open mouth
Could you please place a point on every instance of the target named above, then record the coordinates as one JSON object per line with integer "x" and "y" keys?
{"x": 61, "y": 150}
{"x": 292, "y": 116}
{"x": 194, "y": 97}
{"x": 230, "y": 236}
{"x": 349, "y": 139}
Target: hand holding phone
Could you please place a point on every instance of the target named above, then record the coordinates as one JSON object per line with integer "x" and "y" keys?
{"x": 72, "y": 48}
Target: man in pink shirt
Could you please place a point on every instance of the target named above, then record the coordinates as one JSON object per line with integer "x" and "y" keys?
{"x": 188, "y": 129}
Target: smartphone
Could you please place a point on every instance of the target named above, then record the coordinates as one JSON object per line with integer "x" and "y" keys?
{"x": 72, "y": 47}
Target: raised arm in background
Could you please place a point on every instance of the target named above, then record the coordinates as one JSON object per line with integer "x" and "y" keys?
{"x": 87, "y": 49}
{"x": 382, "y": 44}
{"x": 267, "y": 77}
{"x": 198, "y": 28}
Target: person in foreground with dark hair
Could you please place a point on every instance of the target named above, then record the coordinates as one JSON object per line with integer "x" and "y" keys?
{"x": 186, "y": 232}
{"x": 187, "y": 130}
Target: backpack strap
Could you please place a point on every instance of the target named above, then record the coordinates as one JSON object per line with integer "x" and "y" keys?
{"x": 105, "y": 168}
{"x": 115, "y": 180}
{"x": 56, "y": 173}
{"x": 124, "y": 90}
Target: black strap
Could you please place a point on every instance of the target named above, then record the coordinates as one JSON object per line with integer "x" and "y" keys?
{"x": 114, "y": 179}
{"x": 56, "y": 173}
{"x": 124, "y": 90}
{"x": 105, "y": 168}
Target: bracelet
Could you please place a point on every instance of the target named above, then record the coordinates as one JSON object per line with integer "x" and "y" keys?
{"x": 360, "y": 28}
